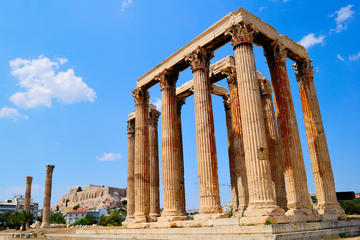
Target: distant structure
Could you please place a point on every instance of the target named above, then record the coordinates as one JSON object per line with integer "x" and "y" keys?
{"x": 75, "y": 215}
{"x": 17, "y": 203}
{"x": 91, "y": 197}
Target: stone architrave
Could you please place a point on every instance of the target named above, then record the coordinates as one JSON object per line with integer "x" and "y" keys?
{"x": 142, "y": 161}
{"x": 237, "y": 144}
{"x": 47, "y": 197}
{"x": 180, "y": 103}
{"x": 275, "y": 151}
{"x": 130, "y": 169}
{"x": 262, "y": 205}
{"x": 27, "y": 193}
{"x": 299, "y": 208}
{"x": 205, "y": 139}
{"x": 328, "y": 206}
{"x": 154, "y": 163}
{"x": 171, "y": 158}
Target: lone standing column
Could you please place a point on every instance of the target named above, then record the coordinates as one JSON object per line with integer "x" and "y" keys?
{"x": 142, "y": 163}
{"x": 205, "y": 140}
{"x": 262, "y": 206}
{"x": 170, "y": 148}
{"x": 328, "y": 205}
{"x": 237, "y": 144}
{"x": 299, "y": 208}
{"x": 130, "y": 171}
{"x": 154, "y": 163}
{"x": 275, "y": 151}
{"x": 47, "y": 197}
{"x": 181, "y": 102}
{"x": 27, "y": 193}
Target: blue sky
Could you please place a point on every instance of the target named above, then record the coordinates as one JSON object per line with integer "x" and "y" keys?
{"x": 67, "y": 69}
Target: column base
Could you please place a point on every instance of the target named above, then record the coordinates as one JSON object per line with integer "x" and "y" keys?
{"x": 207, "y": 216}
{"x": 128, "y": 221}
{"x": 240, "y": 212}
{"x": 45, "y": 225}
{"x": 140, "y": 218}
{"x": 264, "y": 215}
{"x": 154, "y": 216}
{"x": 171, "y": 218}
{"x": 331, "y": 211}
{"x": 303, "y": 215}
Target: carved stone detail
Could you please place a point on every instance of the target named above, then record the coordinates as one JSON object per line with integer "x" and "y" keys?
{"x": 140, "y": 95}
{"x": 275, "y": 53}
{"x": 241, "y": 33}
{"x": 199, "y": 59}
{"x": 303, "y": 70}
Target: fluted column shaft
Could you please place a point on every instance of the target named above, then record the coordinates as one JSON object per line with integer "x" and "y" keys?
{"x": 295, "y": 175}
{"x": 262, "y": 206}
{"x": 205, "y": 139}
{"x": 47, "y": 196}
{"x": 154, "y": 164}
{"x": 27, "y": 193}
{"x": 238, "y": 143}
{"x": 328, "y": 205}
{"x": 170, "y": 148}
{"x": 181, "y": 102}
{"x": 142, "y": 164}
{"x": 130, "y": 170}
{"x": 275, "y": 151}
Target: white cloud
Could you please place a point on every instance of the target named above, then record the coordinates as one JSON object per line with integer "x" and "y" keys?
{"x": 340, "y": 57}
{"x": 7, "y": 112}
{"x": 341, "y": 17}
{"x": 43, "y": 82}
{"x": 354, "y": 57}
{"x": 157, "y": 102}
{"x": 311, "y": 40}
{"x": 109, "y": 157}
{"x": 125, "y": 4}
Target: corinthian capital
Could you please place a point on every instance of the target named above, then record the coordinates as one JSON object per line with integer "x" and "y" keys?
{"x": 180, "y": 102}
{"x": 265, "y": 85}
{"x": 303, "y": 70}
{"x": 168, "y": 79}
{"x": 131, "y": 126}
{"x": 141, "y": 96}
{"x": 29, "y": 180}
{"x": 226, "y": 100}
{"x": 241, "y": 33}
{"x": 153, "y": 116}
{"x": 230, "y": 76}
{"x": 49, "y": 170}
{"x": 199, "y": 59}
{"x": 275, "y": 52}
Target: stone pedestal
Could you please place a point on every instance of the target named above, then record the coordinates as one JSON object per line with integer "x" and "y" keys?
{"x": 205, "y": 140}
{"x": 142, "y": 163}
{"x": 130, "y": 169}
{"x": 27, "y": 193}
{"x": 262, "y": 207}
{"x": 154, "y": 163}
{"x": 275, "y": 151}
{"x": 47, "y": 197}
{"x": 328, "y": 206}
{"x": 299, "y": 208}
{"x": 170, "y": 149}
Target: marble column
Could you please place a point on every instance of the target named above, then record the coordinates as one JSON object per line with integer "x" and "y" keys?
{"x": 180, "y": 103}
{"x": 262, "y": 205}
{"x": 141, "y": 163}
{"x": 237, "y": 144}
{"x": 275, "y": 151}
{"x": 170, "y": 148}
{"x": 47, "y": 197}
{"x": 210, "y": 207}
{"x": 27, "y": 193}
{"x": 328, "y": 206}
{"x": 130, "y": 168}
{"x": 154, "y": 163}
{"x": 299, "y": 208}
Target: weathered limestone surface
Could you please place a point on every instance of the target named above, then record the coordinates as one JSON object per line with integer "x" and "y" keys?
{"x": 130, "y": 171}
{"x": 205, "y": 139}
{"x": 262, "y": 206}
{"x": 296, "y": 182}
{"x": 142, "y": 163}
{"x": 154, "y": 163}
{"x": 275, "y": 151}
{"x": 47, "y": 197}
{"x": 328, "y": 205}
{"x": 27, "y": 193}
{"x": 171, "y": 156}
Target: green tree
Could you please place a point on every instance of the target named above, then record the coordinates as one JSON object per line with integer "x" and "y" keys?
{"x": 76, "y": 207}
{"x": 79, "y": 189}
{"x": 351, "y": 206}
{"x": 87, "y": 220}
{"x": 102, "y": 220}
{"x": 25, "y": 217}
{"x": 115, "y": 219}
{"x": 57, "y": 218}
